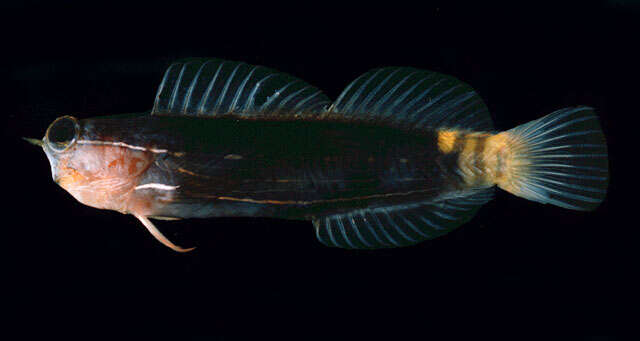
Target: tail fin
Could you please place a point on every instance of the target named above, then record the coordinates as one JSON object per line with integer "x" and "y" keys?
{"x": 560, "y": 159}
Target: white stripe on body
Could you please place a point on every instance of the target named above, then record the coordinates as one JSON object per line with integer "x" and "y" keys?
{"x": 122, "y": 144}
{"x": 162, "y": 187}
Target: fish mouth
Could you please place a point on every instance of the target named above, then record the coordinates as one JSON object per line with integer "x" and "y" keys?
{"x": 34, "y": 142}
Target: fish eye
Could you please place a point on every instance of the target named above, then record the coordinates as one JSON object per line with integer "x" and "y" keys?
{"x": 62, "y": 133}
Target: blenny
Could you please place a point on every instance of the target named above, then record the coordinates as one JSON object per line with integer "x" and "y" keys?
{"x": 402, "y": 156}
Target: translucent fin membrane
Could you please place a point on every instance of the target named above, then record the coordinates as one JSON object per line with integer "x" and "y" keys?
{"x": 213, "y": 87}
{"x": 560, "y": 159}
{"x": 414, "y": 98}
{"x": 399, "y": 225}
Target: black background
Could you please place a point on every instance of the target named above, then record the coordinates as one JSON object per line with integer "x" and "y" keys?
{"x": 519, "y": 269}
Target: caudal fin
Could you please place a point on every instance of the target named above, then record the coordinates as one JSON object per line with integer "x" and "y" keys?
{"x": 560, "y": 159}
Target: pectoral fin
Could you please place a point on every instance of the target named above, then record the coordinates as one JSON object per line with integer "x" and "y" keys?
{"x": 159, "y": 236}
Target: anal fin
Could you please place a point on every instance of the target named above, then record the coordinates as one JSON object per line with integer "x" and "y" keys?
{"x": 398, "y": 225}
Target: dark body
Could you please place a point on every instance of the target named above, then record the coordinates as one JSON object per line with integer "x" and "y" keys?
{"x": 293, "y": 168}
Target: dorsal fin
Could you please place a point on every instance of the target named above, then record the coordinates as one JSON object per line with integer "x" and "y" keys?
{"x": 211, "y": 87}
{"x": 414, "y": 98}
{"x": 398, "y": 225}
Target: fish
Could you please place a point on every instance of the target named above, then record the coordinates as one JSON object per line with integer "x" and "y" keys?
{"x": 402, "y": 156}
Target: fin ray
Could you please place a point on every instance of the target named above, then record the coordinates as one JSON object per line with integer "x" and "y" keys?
{"x": 559, "y": 159}
{"x": 398, "y": 225}
{"x": 415, "y": 98}
{"x": 212, "y": 87}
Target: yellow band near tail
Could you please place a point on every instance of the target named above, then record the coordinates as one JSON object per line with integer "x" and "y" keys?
{"x": 501, "y": 153}
{"x": 480, "y": 155}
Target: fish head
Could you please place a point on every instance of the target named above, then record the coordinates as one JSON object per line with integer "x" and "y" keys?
{"x": 96, "y": 173}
